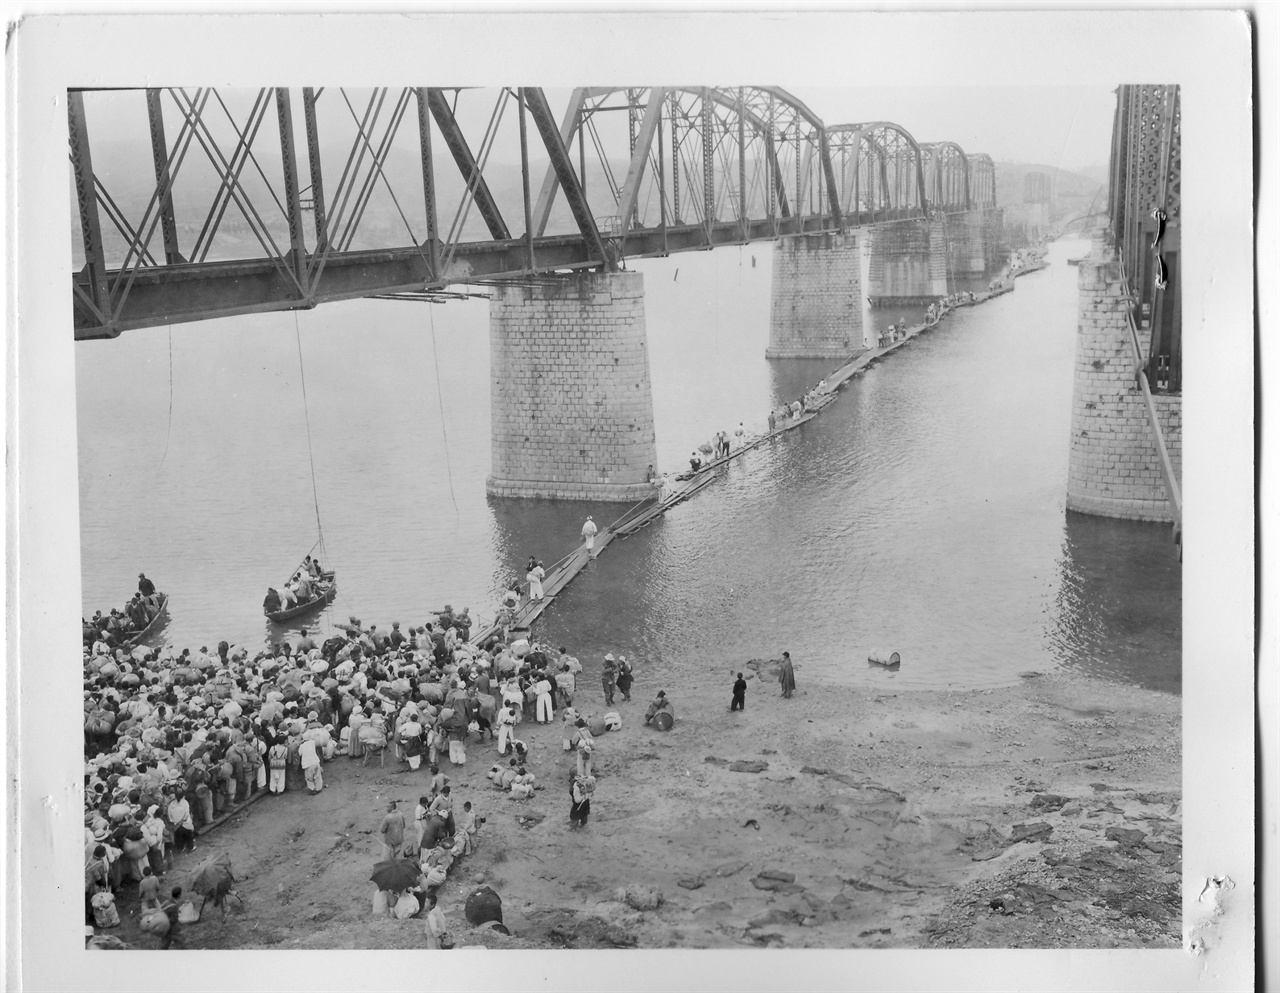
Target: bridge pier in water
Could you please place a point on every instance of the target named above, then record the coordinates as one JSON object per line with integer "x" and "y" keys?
{"x": 1114, "y": 468}
{"x": 908, "y": 262}
{"x": 967, "y": 243}
{"x": 570, "y": 393}
{"x": 815, "y": 309}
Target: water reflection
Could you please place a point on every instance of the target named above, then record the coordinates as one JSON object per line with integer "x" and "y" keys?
{"x": 923, "y": 512}
{"x": 1119, "y": 604}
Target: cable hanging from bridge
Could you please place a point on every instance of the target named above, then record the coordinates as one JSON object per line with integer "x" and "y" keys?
{"x": 169, "y": 426}
{"x": 435, "y": 361}
{"x": 315, "y": 495}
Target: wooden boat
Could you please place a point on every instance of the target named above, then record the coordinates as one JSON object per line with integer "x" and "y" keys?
{"x": 134, "y": 640}
{"x": 894, "y": 660}
{"x": 1075, "y": 261}
{"x": 326, "y": 588}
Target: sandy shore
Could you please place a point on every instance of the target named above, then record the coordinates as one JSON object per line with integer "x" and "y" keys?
{"x": 879, "y": 820}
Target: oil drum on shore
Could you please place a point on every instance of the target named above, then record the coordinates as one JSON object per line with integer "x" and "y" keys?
{"x": 892, "y": 662}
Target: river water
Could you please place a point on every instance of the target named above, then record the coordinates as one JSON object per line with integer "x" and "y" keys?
{"x": 923, "y": 512}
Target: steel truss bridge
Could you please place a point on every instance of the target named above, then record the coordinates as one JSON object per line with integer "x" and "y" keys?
{"x": 205, "y": 204}
{"x": 1145, "y": 214}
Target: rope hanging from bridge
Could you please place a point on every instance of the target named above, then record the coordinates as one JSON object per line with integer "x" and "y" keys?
{"x": 169, "y": 427}
{"x": 435, "y": 361}
{"x": 315, "y": 495}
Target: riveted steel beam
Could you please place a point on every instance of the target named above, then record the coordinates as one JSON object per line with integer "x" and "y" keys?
{"x": 640, "y": 145}
{"x": 316, "y": 168}
{"x": 456, "y": 142}
{"x": 160, "y": 160}
{"x": 547, "y": 194}
{"x": 297, "y": 258}
{"x": 94, "y": 293}
{"x": 545, "y": 123}
{"x": 428, "y": 178}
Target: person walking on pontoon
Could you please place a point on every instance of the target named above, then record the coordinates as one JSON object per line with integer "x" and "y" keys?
{"x": 534, "y": 576}
{"x": 589, "y": 534}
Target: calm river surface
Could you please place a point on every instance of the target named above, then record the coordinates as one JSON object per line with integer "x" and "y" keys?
{"x": 923, "y": 512}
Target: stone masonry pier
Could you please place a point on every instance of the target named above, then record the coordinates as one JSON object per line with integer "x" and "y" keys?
{"x": 1114, "y": 468}
{"x": 966, "y": 243}
{"x": 816, "y": 304}
{"x": 908, "y": 262}
{"x": 570, "y": 394}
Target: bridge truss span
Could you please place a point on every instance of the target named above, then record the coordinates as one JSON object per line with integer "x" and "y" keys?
{"x": 982, "y": 181}
{"x": 196, "y": 203}
{"x": 947, "y": 177}
{"x": 881, "y": 171}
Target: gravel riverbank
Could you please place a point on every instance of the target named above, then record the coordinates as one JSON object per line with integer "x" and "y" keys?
{"x": 1045, "y": 814}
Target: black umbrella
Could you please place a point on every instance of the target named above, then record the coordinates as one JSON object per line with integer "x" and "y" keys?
{"x": 396, "y": 875}
{"x": 483, "y": 905}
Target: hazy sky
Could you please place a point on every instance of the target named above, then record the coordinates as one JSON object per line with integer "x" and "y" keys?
{"x": 1063, "y": 126}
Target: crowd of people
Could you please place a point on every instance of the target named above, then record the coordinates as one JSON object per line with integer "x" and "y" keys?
{"x": 176, "y": 739}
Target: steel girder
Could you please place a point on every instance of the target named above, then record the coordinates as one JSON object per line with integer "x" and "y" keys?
{"x": 881, "y": 168}
{"x": 982, "y": 180}
{"x": 1145, "y": 208}
{"x": 947, "y": 176}
{"x": 569, "y": 181}
{"x": 210, "y": 290}
{"x": 466, "y": 162}
{"x": 750, "y": 152}
{"x": 763, "y": 165}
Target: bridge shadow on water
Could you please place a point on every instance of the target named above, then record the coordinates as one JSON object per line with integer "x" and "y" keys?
{"x": 1120, "y": 601}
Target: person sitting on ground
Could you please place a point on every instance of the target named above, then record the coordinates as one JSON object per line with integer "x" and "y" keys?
{"x": 522, "y": 786}
{"x": 507, "y": 776}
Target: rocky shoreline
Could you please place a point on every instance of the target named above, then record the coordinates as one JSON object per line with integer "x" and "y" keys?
{"x": 1045, "y": 814}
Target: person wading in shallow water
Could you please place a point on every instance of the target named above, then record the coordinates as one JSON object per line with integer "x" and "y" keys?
{"x": 787, "y": 676}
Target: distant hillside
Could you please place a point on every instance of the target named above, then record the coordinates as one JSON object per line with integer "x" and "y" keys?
{"x": 1010, "y": 177}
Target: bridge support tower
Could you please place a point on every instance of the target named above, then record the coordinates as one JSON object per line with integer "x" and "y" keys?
{"x": 816, "y": 306}
{"x": 570, "y": 395}
{"x": 1114, "y": 469}
{"x": 995, "y": 242}
{"x": 967, "y": 243}
{"x": 908, "y": 262}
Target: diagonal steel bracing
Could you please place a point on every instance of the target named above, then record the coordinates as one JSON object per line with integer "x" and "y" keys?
{"x": 461, "y": 152}
{"x": 704, "y": 166}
